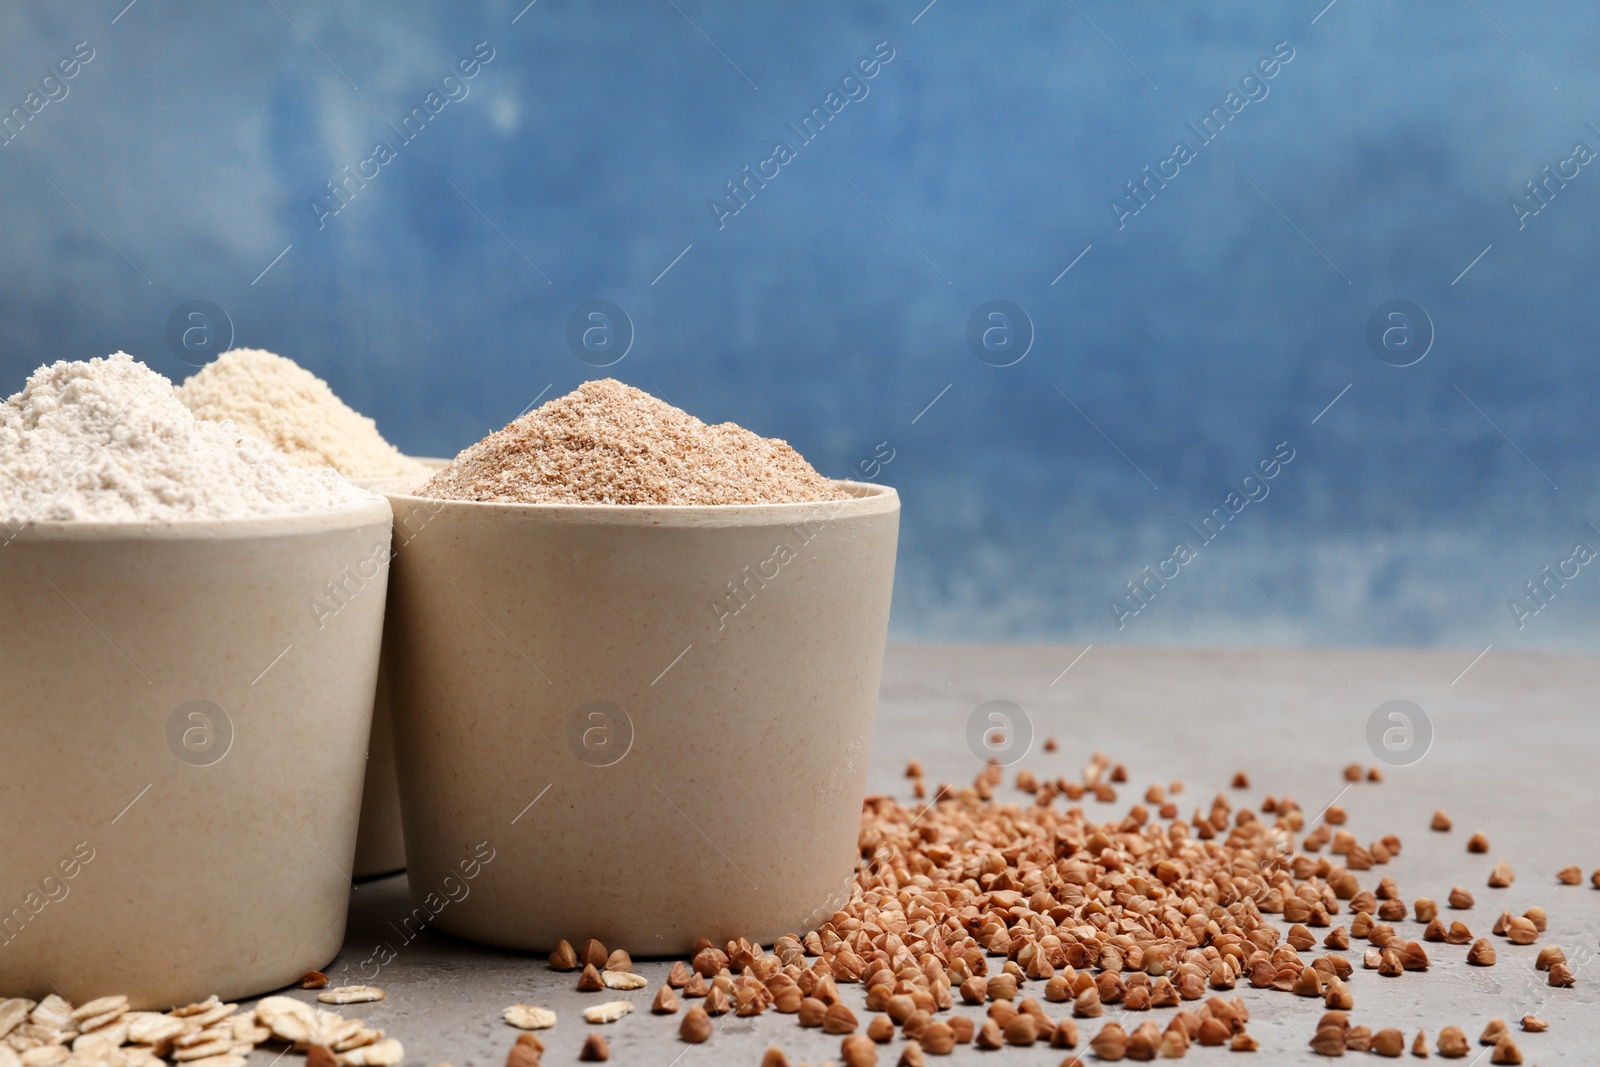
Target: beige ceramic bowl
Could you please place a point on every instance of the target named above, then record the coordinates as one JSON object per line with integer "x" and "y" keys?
{"x": 186, "y": 709}
{"x": 642, "y": 724}
{"x": 380, "y": 843}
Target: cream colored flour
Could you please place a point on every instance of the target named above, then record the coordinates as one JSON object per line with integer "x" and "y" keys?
{"x": 609, "y": 443}
{"x": 296, "y": 412}
{"x": 107, "y": 441}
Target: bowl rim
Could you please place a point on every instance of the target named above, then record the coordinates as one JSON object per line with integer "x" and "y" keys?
{"x": 342, "y": 517}
{"x": 434, "y": 463}
{"x": 863, "y": 499}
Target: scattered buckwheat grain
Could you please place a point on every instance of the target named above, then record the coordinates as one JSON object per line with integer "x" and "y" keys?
{"x": 857, "y": 1050}
{"x": 564, "y": 958}
{"x": 1453, "y": 1043}
{"x": 527, "y": 1052}
{"x": 696, "y": 1025}
{"x": 1505, "y": 1051}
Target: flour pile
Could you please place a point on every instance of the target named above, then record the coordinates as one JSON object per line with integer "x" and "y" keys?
{"x": 294, "y": 411}
{"x": 108, "y": 441}
{"x": 609, "y": 443}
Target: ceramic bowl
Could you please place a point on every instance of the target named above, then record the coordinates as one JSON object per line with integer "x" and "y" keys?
{"x": 186, "y": 719}
{"x": 641, "y": 724}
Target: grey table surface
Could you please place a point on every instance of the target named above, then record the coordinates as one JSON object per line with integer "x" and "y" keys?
{"x": 1513, "y": 753}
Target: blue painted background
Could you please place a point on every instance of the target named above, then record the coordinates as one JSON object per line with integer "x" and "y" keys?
{"x": 1177, "y": 353}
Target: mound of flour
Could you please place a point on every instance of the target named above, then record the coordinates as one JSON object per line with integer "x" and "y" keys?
{"x": 108, "y": 441}
{"x": 294, "y": 411}
{"x": 609, "y": 443}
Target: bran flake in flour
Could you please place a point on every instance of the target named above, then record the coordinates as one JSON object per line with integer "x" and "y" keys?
{"x": 609, "y": 443}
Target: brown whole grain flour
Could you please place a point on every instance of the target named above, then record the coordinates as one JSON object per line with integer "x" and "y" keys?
{"x": 609, "y": 443}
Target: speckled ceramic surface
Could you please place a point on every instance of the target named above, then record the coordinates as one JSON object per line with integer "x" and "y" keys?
{"x": 642, "y": 724}
{"x": 186, "y": 711}
{"x": 380, "y": 843}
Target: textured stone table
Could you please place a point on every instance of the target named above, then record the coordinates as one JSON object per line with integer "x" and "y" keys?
{"x": 1514, "y": 754}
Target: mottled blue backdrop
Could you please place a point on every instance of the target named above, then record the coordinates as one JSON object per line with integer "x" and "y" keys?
{"x": 933, "y": 159}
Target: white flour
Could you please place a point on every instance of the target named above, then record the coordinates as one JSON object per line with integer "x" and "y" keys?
{"x": 108, "y": 441}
